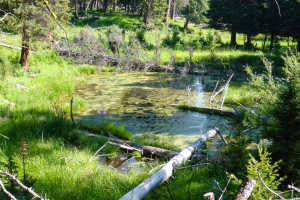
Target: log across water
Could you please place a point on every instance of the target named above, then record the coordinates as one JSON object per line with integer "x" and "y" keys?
{"x": 143, "y": 189}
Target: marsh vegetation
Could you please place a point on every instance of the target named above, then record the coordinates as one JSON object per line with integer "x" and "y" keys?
{"x": 117, "y": 70}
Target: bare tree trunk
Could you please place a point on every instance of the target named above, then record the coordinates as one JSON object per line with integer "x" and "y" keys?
{"x": 115, "y": 5}
{"x": 76, "y": 10}
{"x": 233, "y": 36}
{"x": 80, "y": 7}
{"x": 25, "y": 45}
{"x": 173, "y": 10}
{"x": 105, "y": 6}
{"x": 83, "y": 6}
{"x": 168, "y": 11}
{"x": 245, "y": 189}
{"x": 272, "y": 41}
{"x": 248, "y": 40}
{"x": 97, "y": 5}
{"x": 265, "y": 41}
{"x": 147, "y": 13}
{"x": 186, "y": 25}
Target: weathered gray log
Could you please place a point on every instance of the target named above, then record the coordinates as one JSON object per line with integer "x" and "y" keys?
{"x": 226, "y": 113}
{"x": 245, "y": 189}
{"x": 209, "y": 196}
{"x": 166, "y": 172}
{"x": 148, "y": 151}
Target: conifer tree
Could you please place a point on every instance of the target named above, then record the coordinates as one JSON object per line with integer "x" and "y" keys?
{"x": 34, "y": 21}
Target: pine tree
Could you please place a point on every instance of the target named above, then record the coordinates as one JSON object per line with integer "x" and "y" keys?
{"x": 34, "y": 21}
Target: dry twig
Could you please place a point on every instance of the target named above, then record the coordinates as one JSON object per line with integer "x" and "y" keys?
{"x": 24, "y": 187}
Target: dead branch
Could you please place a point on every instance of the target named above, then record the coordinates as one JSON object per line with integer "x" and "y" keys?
{"x": 12, "y": 47}
{"x": 72, "y": 112}
{"x": 224, "y": 188}
{"x": 221, "y": 136}
{"x": 21, "y": 86}
{"x": 260, "y": 178}
{"x": 278, "y": 8}
{"x": 213, "y": 92}
{"x": 245, "y": 108}
{"x": 7, "y": 192}
{"x": 193, "y": 166}
{"x": 293, "y": 188}
{"x": 24, "y": 187}
{"x": 4, "y": 17}
{"x": 124, "y": 147}
{"x": 61, "y": 26}
{"x": 282, "y": 193}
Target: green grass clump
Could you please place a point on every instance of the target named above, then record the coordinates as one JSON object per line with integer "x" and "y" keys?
{"x": 241, "y": 93}
{"x": 109, "y": 127}
{"x": 156, "y": 141}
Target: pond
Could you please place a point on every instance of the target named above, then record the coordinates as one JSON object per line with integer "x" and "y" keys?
{"x": 143, "y": 103}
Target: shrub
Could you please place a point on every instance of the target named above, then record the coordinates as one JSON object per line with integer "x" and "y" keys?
{"x": 267, "y": 171}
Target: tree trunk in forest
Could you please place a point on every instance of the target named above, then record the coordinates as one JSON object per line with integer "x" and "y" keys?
{"x": 265, "y": 41}
{"x": 245, "y": 189}
{"x": 76, "y": 10}
{"x": 147, "y": 13}
{"x": 83, "y": 6}
{"x": 115, "y": 5}
{"x": 105, "y": 6}
{"x": 298, "y": 47}
{"x": 168, "y": 11}
{"x": 173, "y": 10}
{"x": 97, "y": 5}
{"x": 248, "y": 40}
{"x": 272, "y": 42}
{"x": 233, "y": 37}
{"x": 91, "y": 5}
{"x": 25, "y": 44}
{"x": 80, "y": 7}
{"x": 166, "y": 172}
{"x": 186, "y": 25}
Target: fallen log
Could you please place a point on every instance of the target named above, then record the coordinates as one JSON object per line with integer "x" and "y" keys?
{"x": 166, "y": 172}
{"x": 148, "y": 151}
{"x": 245, "y": 189}
{"x": 226, "y": 113}
{"x": 12, "y": 47}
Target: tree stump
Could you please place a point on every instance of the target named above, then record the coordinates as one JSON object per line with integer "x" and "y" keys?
{"x": 209, "y": 196}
